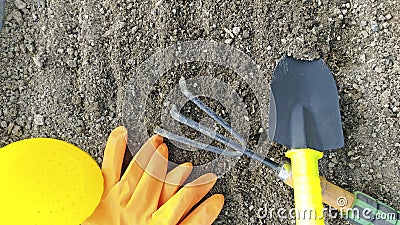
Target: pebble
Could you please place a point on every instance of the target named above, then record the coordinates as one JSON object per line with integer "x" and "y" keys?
{"x": 236, "y": 30}
{"x": 374, "y": 26}
{"x": 246, "y": 34}
{"x": 166, "y": 103}
{"x": 38, "y": 61}
{"x": 381, "y": 18}
{"x": 3, "y": 124}
{"x": 362, "y": 58}
{"x": 30, "y": 48}
{"x": 134, "y": 29}
{"x": 17, "y": 16}
{"x": 16, "y": 130}
{"x": 76, "y": 100}
{"x": 99, "y": 160}
{"x": 120, "y": 25}
{"x": 363, "y": 23}
{"x": 82, "y": 88}
{"x": 159, "y": 3}
{"x": 228, "y": 41}
{"x": 378, "y": 69}
{"x": 20, "y": 4}
{"x": 38, "y": 120}
{"x": 72, "y": 63}
{"x": 385, "y": 97}
{"x": 70, "y": 51}
{"x": 34, "y": 17}
{"x": 385, "y": 25}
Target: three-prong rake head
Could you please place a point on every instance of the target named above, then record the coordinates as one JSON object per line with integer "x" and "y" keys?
{"x": 238, "y": 145}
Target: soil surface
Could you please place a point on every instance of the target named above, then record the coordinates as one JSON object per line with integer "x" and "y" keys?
{"x": 64, "y": 67}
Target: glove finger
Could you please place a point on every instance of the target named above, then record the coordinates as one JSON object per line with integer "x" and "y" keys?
{"x": 206, "y": 213}
{"x": 174, "y": 180}
{"x": 145, "y": 198}
{"x": 180, "y": 204}
{"x": 136, "y": 167}
{"x": 113, "y": 157}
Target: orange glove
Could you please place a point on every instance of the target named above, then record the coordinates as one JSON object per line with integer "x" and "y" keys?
{"x": 151, "y": 196}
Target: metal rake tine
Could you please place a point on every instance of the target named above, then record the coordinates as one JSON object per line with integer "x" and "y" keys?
{"x": 175, "y": 114}
{"x": 206, "y": 131}
{"x": 206, "y": 109}
{"x": 194, "y": 143}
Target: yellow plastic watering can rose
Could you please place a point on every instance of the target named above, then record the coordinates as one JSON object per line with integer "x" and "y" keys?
{"x": 45, "y": 181}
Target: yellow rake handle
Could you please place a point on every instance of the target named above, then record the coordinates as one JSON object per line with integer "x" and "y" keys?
{"x": 307, "y": 187}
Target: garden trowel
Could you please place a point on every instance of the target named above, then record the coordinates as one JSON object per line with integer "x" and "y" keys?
{"x": 305, "y": 117}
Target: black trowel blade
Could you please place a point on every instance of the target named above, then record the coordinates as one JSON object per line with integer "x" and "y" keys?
{"x": 304, "y": 106}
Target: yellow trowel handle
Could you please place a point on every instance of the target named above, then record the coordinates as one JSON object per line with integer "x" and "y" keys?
{"x": 307, "y": 187}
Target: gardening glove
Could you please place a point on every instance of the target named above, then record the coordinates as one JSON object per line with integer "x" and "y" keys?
{"x": 46, "y": 181}
{"x": 146, "y": 194}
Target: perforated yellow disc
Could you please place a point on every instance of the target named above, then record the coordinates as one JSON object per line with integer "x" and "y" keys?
{"x": 47, "y": 182}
